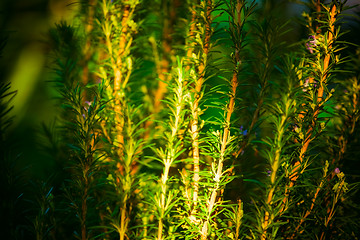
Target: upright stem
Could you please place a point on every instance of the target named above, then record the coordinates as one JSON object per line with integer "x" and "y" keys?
{"x": 313, "y": 200}
{"x": 118, "y": 72}
{"x": 172, "y": 147}
{"x": 224, "y": 142}
{"x": 117, "y": 52}
{"x": 349, "y": 127}
{"x": 195, "y": 107}
{"x": 123, "y": 219}
{"x": 190, "y": 44}
{"x": 274, "y": 167}
{"x": 164, "y": 179}
{"x": 85, "y": 79}
{"x": 323, "y": 77}
{"x": 119, "y": 118}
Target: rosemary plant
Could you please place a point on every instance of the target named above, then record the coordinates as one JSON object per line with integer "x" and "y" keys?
{"x": 203, "y": 119}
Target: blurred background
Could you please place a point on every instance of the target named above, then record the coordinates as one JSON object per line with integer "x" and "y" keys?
{"x": 25, "y": 63}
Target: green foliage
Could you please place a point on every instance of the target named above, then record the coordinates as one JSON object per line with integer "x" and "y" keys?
{"x": 200, "y": 120}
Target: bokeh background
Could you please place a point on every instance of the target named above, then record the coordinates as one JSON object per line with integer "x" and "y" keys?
{"x": 25, "y": 63}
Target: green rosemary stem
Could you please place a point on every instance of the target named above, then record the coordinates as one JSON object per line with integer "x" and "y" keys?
{"x": 224, "y": 142}
{"x": 285, "y": 110}
{"x": 118, "y": 75}
{"x": 118, "y": 29}
{"x": 195, "y": 110}
{"x": 264, "y": 76}
{"x": 164, "y": 179}
{"x": 324, "y": 71}
{"x": 107, "y": 27}
{"x": 191, "y": 35}
{"x": 116, "y": 54}
{"x": 313, "y": 200}
{"x": 87, "y": 52}
{"x": 123, "y": 221}
{"x": 346, "y": 126}
{"x": 239, "y": 216}
{"x": 320, "y": 92}
{"x": 239, "y": 14}
{"x": 190, "y": 70}
{"x": 173, "y": 146}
